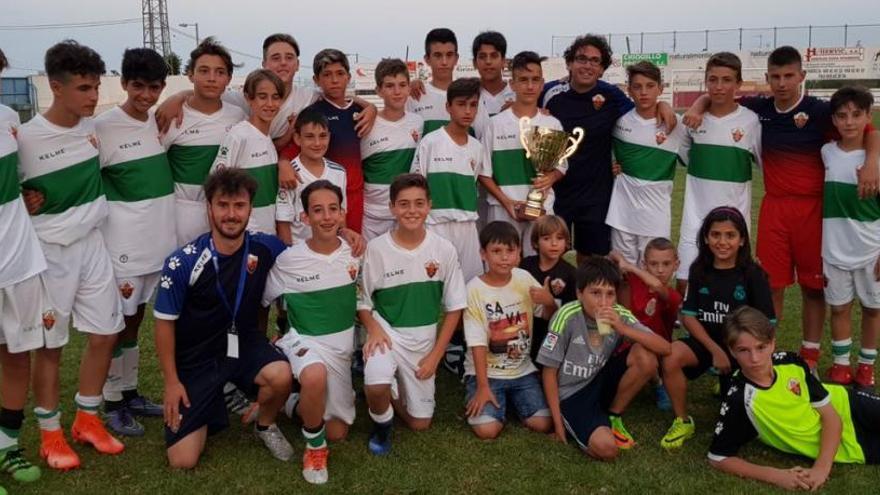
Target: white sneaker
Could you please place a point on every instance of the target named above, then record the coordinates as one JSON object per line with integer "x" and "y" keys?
{"x": 275, "y": 442}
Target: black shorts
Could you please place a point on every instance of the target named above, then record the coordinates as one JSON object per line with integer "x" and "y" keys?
{"x": 204, "y": 386}
{"x": 587, "y": 409}
{"x": 589, "y": 237}
{"x": 704, "y": 362}
{"x": 865, "y": 410}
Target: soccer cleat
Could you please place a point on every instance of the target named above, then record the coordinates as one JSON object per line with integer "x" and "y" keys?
{"x": 123, "y": 423}
{"x": 622, "y": 437}
{"x": 840, "y": 374}
{"x": 315, "y": 465}
{"x": 275, "y": 442}
{"x": 453, "y": 360}
{"x": 662, "y": 398}
{"x": 88, "y": 428}
{"x": 21, "y": 469}
{"x": 680, "y": 431}
{"x": 55, "y": 450}
{"x": 864, "y": 376}
{"x": 141, "y": 406}
{"x": 811, "y": 357}
{"x": 380, "y": 439}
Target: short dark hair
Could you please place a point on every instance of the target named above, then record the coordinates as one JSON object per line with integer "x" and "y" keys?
{"x": 258, "y": 76}
{"x": 499, "y": 232}
{"x": 69, "y": 58}
{"x": 596, "y": 41}
{"x": 310, "y": 116}
{"x": 440, "y": 35}
{"x": 784, "y": 55}
{"x": 143, "y": 64}
{"x": 725, "y": 59}
{"x": 327, "y": 57}
{"x": 390, "y": 67}
{"x": 406, "y": 181}
{"x": 279, "y": 38}
{"x": 463, "y": 87}
{"x": 522, "y": 60}
{"x": 492, "y": 38}
{"x": 859, "y": 96}
{"x": 4, "y": 63}
{"x": 230, "y": 181}
{"x": 316, "y": 186}
{"x": 660, "y": 244}
{"x": 597, "y": 270}
{"x": 210, "y": 46}
{"x": 644, "y": 68}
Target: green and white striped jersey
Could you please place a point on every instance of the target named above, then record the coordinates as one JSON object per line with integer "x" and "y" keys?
{"x": 387, "y": 151}
{"x": 850, "y": 226}
{"x": 431, "y": 107}
{"x": 62, "y": 164}
{"x": 245, "y": 147}
{"x": 493, "y": 103}
{"x": 406, "y": 290}
{"x": 288, "y": 204}
{"x": 139, "y": 231}
{"x": 451, "y": 170}
{"x": 296, "y": 101}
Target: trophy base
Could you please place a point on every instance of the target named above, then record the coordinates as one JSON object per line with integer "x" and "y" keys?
{"x": 528, "y": 213}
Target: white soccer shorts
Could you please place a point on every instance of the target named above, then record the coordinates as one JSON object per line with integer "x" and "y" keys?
{"x": 464, "y": 236}
{"x": 402, "y": 364}
{"x": 23, "y": 307}
{"x": 191, "y": 218}
{"x": 845, "y": 285}
{"x": 631, "y": 246}
{"x": 137, "y": 290}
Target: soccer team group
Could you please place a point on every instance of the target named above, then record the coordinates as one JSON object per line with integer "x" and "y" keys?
{"x": 394, "y": 241}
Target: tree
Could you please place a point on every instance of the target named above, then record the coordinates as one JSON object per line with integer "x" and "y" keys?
{"x": 173, "y": 61}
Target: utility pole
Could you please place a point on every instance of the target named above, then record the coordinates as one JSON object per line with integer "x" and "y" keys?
{"x": 155, "y": 20}
{"x": 195, "y": 25}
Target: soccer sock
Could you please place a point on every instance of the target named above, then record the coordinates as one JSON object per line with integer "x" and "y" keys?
{"x": 88, "y": 403}
{"x": 10, "y": 427}
{"x": 840, "y": 350}
{"x": 131, "y": 355}
{"x": 113, "y": 386}
{"x": 806, "y": 344}
{"x": 315, "y": 437}
{"x": 383, "y": 418}
{"x": 867, "y": 356}
{"x": 48, "y": 420}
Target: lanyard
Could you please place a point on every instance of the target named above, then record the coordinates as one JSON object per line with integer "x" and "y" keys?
{"x": 239, "y": 289}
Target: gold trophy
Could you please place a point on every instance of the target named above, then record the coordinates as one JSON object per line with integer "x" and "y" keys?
{"x": 545, "y": 148}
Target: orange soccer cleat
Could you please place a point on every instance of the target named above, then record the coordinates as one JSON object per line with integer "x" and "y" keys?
{"x": 88, "y": 428}
{"x": 315, "y": 465}
{"x": 865, "y": 376}
{"x": 56, "y": 451}
{"x": 840, "y": 374}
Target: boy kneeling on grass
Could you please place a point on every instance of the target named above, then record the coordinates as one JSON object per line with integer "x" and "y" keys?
{"x": 775, "y": 398}
{"x": 587, "y": 383}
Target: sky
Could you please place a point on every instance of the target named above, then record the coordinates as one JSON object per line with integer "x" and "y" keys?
{"x": 378, "y": 28}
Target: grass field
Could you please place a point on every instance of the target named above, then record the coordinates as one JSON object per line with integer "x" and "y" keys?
{"x": 446, "y": 459}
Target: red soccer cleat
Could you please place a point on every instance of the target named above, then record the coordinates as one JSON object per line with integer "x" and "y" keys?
{"x": 811, "y": 357}
{"x": 88, "y": 428}
{"x": 865, "y": 376}
{"x": 840, "y": 374}
{"x": 56, "y": 451}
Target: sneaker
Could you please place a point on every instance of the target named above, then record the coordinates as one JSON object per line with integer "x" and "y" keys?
{"x": 840, "y": 374}
{"x": 141, "y": 406}
{"x": 453, "y": 360}
{"x": 622, "y": 437}
{"x": 55, "y": 450}
{"x": 236, "y": 401}
{"x": 88, "y": 428}
{"x": 811, "y": 357}
{"x": 380, "y": 439}
{"x": 315, "y": 465}
{"x": 275, "y": 442}
{"x": 680, "y": 431}
{"x": 123, "y": 423}
{"x": 662, "y": 398}
{"x": 21, "y": 469}
{"x": 865, "y": 376}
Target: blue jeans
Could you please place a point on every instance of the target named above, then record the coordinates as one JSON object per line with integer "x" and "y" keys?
{"x": 525, "y": 394}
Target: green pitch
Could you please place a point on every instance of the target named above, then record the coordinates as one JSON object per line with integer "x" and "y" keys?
{"x": 446, "y": 459}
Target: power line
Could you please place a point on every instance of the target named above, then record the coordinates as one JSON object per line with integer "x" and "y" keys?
{"x": 71, "y": 25}
{"x": 243, "y": 54}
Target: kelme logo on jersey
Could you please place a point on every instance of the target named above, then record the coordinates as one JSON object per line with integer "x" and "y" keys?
{"x": 739, "y": 293}
{"x": 800, "y": 119}
{"x": 352, "y": 270}
{"x": 794, "y": 386}
{"x": 660, "y": 137}
{"x": 737, "y": 133}
{"x": 48, "y": 319}
{"x": 252, "y": 263}
{"x": 557, "y": 285}
{"x": 431, "y": 268}
{"x": 126, "y": 289}
{"x": 598, "y": 101}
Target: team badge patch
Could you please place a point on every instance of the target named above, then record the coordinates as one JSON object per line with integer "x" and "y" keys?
{"x": 94, "y": 140}
{"x": 14, "y": 131}
{"x": 794, "y": 386}
{"x": 302, "y": 352}
{"x": 282, "y": 194}
{"x": 550, "y": 341}
{"x": 651, "y": 307}
{"x": 252, "y": 263}
{"x": 48, "y": 319}
{"x": 415, "y": 135}
{"x": 738, "y": 133}
{"x": 126, "y": 289}
{"x": 660, "y": 137}
{"x": 557, "y": 285}
{"x": 739, "y": 293}
{"x": 431, "y": 268}
{"x": 473, "y": 165}
{"x": 598, "y": 101}
{"x": 353, "y": 270}
{"x": 800, "y": 119}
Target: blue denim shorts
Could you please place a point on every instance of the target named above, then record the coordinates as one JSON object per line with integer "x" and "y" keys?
{"x": 524, "y": 394}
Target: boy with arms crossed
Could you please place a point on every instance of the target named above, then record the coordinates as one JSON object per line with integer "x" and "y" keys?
{"x": 409, "y": 276}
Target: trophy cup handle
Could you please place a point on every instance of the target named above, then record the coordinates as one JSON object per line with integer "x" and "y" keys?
{"x": 575, "y": 141}
{"x": 524, "y": 124}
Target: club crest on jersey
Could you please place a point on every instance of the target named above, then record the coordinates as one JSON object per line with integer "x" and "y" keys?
{"x": 415, "y": 135}
{"x": 48, "y": 319}
{"x": 353, "y": 270}
{"x": 126, "y": 289}
{"x": 557, "y": 285}
{"x": 431, "y": 268}
{"x": 800, "y": 119}
{"x": 660, "y": 137}
{"x": 282, "y": 194}
{"x": 737, "y": 133}
{"x": 473, "y": 164}
{"x": 14, "y": 131}
{"x": 794, "y": 386}
{"x": 598, "y": 101}
{"x": 651, "y": 307}
{"x": 94, "y": 140}
{"x": 739, "y": 293}
{"x": 252, "y": 263}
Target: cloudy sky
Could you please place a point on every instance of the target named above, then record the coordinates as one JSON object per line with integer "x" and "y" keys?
{"x": 387, "y": 27}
